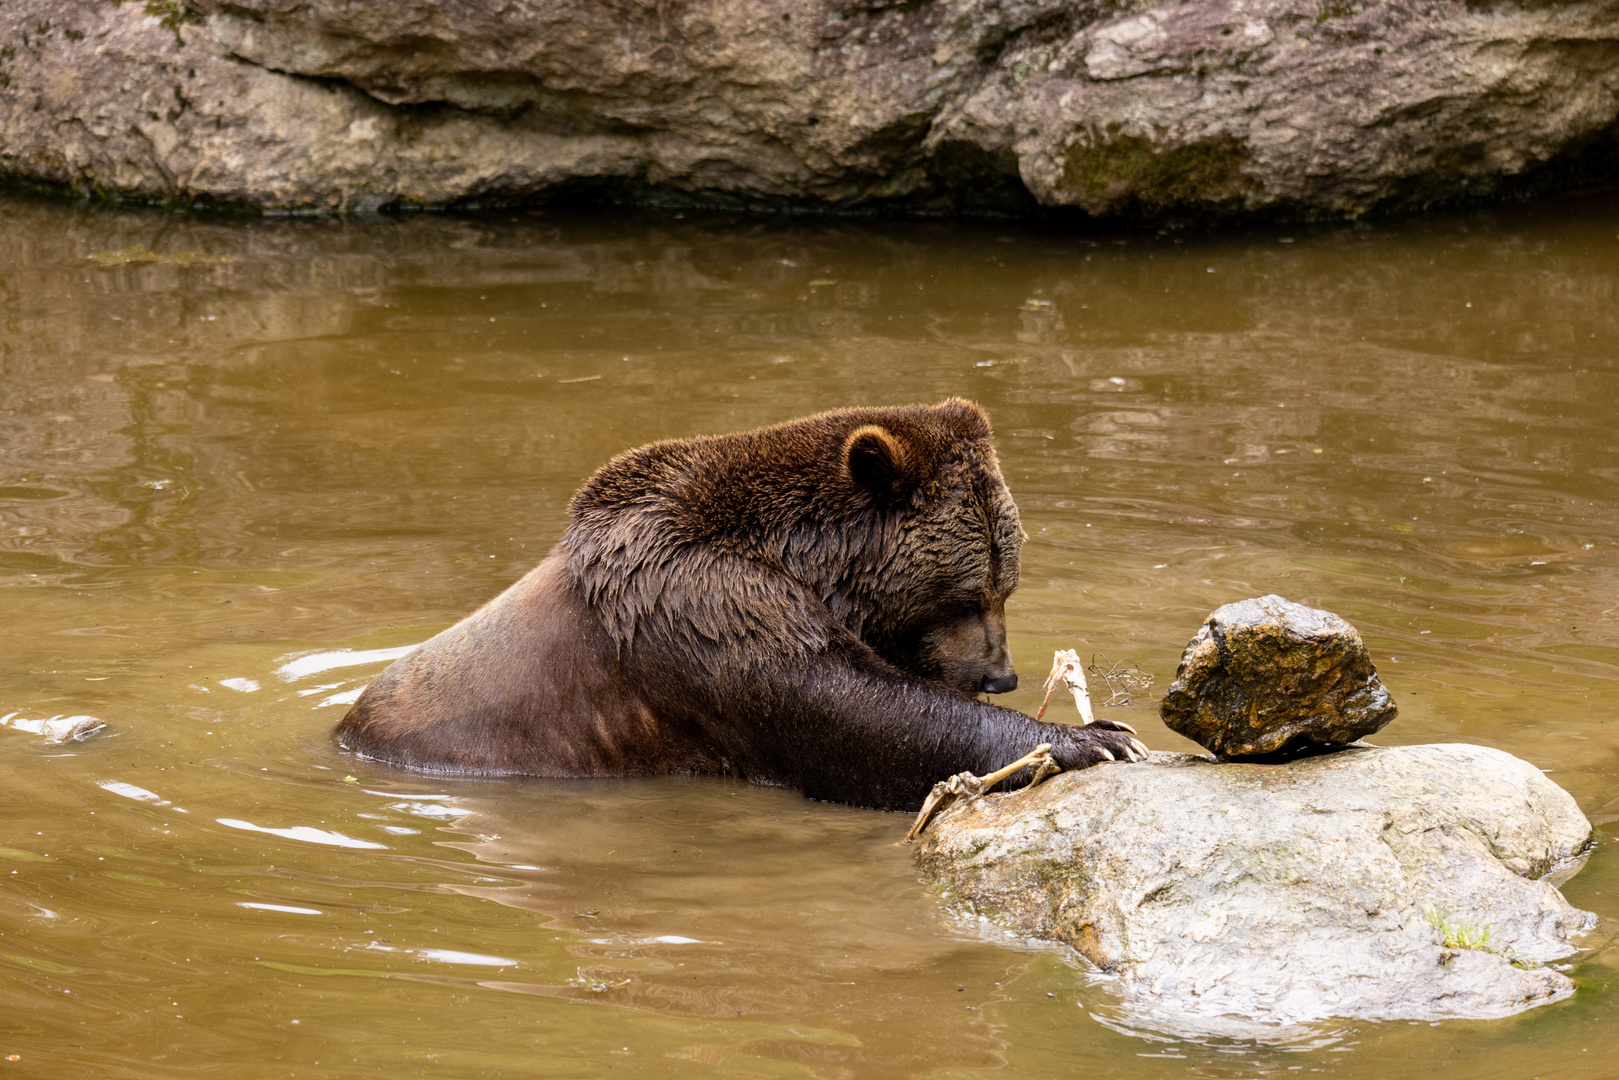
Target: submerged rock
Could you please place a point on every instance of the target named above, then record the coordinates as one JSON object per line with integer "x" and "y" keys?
{"x": 57, "y": 729}
{"x": 1268, "y": 676}
{"x": 61, "y": 729}
{"x": 1343, "y": 885}
{"x": 1153, "y": 110}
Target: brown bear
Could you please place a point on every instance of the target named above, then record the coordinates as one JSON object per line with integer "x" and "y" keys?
{"x": 815, "y": 604}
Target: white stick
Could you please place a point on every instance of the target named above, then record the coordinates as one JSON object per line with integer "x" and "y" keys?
{"x": 1067, "y": 668}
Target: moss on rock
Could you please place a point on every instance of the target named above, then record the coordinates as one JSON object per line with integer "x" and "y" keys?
{"x": 1132, "y": 176}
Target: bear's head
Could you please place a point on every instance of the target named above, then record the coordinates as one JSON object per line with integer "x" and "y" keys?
{"x": 897, "y": 519}
{"x": 935, "y": 600}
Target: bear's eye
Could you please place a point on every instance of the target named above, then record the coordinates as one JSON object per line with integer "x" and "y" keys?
{"x": 962, "y": 609}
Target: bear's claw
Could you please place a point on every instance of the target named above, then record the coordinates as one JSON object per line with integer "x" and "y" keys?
{"x": 1098, "y": 742}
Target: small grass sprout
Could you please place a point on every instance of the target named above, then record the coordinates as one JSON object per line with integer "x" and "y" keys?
{"x": 1459, "y": 933}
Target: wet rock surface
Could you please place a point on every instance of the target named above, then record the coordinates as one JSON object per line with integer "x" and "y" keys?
{"x": 1211, "y": 108}
{"x": 1220, "y": 896}
{"x": 1268, "y": 676}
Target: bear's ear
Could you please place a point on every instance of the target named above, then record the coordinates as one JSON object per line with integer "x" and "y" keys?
{"x": 878, "y": 462}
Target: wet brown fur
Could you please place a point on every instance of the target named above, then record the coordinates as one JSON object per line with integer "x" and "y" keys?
{"x": 813, "y": 604}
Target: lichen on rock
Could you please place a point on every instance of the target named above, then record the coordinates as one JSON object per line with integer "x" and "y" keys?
{"x": 1268, "y": 676}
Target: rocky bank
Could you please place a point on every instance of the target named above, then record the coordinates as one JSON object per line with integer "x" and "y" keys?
{"x": 1145, "y": 110}
{"x": 1375, "y": 883}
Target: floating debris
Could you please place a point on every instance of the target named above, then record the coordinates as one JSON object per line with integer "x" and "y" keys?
{"x": 1123, "y": 679}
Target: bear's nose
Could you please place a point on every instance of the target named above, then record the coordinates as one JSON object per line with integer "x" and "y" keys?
{"x": 1000, "y": 684}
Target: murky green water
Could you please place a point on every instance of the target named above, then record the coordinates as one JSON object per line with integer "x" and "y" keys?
{"x": 231, "y": 450}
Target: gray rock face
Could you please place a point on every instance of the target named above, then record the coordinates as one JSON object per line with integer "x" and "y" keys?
{"x": 1153, "y": 109}
{"x": 1268, "y": 676}
{"x": 1282, "y": 894}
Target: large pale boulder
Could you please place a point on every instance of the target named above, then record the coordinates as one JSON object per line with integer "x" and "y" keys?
{"x": 1149, "y": 110}
{"x": 1378, "y": 883}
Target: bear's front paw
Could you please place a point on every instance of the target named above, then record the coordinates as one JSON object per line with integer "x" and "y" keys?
{"x": 1103, "y": 740}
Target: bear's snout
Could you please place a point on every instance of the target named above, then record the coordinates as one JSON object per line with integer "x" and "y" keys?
{"x": 1000, "y": 684}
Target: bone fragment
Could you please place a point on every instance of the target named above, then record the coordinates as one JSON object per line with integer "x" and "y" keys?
{"x": 1067, "y": 669}
{"x": 971, "y": 786}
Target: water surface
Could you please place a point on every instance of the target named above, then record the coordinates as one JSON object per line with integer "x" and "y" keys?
{"x": 242, "y": 462}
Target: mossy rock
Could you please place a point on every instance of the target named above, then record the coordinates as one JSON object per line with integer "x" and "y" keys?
{"x": 1134, "y": 177}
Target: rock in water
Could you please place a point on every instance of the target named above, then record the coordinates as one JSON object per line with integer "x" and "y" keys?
{"x": 61, "y": 729}
{"x": 1269, "y": 676}
{"x": 1338, "y": 885}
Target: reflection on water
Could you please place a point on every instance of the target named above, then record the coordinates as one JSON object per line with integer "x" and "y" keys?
{"x": 236, "y": 480}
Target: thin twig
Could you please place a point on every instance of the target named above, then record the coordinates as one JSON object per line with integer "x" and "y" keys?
{"x": 1122, "y": 679}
